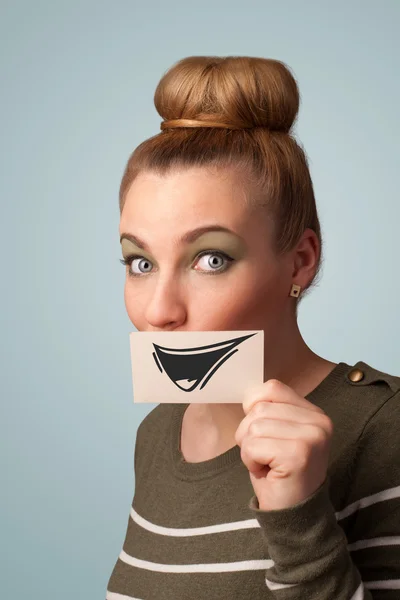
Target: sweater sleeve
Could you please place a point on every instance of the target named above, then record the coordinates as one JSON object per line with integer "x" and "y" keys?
{"x": 315, "y": 557}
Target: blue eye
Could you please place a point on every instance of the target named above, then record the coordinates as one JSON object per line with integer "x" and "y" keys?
{"x": 127, "y": 261}
{"x": 211, "y": 261}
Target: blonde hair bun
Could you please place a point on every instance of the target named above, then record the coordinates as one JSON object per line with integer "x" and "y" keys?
{"x": 237, "y": 91}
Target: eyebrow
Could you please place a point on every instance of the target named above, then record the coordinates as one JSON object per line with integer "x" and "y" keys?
{"x": 187, "y": 238}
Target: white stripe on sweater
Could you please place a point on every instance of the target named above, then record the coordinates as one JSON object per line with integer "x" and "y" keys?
{"x": 251, "y": 565}
{"x": 115, "y": 596}
{"x": 223, "y": 567}
{"x": 251, "y": 523}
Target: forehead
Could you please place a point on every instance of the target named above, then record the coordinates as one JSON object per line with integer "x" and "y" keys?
{"x": 189, "y": 195}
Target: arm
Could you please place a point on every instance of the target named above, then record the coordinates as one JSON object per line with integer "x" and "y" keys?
{"x": 351, "y": 555}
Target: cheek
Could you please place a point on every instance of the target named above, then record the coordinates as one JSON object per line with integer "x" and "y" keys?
{"x": 241, "y": 301}
{"x": 135, "y": 298}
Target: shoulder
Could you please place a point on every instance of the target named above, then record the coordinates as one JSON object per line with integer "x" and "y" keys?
{"x": 372, "y": 385}
{"x": 374, "y": 430}
{"x": 362, "y": 374}
{"x": 156, "y": 421}
{"x": 156, "y": 424}
{"x": 373, "y": 403}
{"x": 365, "y": 396}
{"x": 152, "y": 430}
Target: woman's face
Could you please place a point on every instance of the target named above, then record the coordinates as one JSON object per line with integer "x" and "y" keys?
{"x": 183, "y": 280}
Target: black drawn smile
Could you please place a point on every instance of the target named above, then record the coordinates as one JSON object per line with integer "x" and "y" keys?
{"x": 198, "y": 365}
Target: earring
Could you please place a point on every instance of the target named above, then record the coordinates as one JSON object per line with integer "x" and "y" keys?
{"x": 295, "y": 291}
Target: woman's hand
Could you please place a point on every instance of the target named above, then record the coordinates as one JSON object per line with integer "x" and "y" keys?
{"x": 285, "y": 444}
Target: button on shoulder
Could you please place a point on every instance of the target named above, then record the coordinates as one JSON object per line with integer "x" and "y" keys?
{"x": 362, "y": 374}
{"x": 356, "y": 375}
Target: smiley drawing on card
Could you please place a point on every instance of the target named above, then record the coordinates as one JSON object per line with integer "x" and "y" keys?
{"x": 188, "y": 367}
{"x": 213, "y": 366}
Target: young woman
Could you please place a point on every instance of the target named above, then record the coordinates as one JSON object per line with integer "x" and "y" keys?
{"x": 296, "y": 492}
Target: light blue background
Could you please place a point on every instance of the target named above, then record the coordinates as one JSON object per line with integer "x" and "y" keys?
{"x": 77, "y": 85}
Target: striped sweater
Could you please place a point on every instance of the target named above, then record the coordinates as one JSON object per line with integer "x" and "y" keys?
{"x": 195, "y": 530}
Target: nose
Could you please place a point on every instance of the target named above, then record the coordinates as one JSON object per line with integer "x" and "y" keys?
{"x": 166, "y": 306}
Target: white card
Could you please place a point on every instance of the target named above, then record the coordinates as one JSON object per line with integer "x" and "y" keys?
{"x": 195, "y": 366}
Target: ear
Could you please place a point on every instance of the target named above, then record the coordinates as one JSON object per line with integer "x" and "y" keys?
{"x": 306, "y": 257}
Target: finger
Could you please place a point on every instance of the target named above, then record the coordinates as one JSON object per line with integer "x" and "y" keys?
{"x": 283, "y": 412}
{"x": 274, "y": 390}
{"x": 283, "y": 455}
{"x": 260, "y": 452}
{"x": 314, "y": 432}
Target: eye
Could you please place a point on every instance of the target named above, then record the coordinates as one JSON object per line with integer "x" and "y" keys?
{"x": 129, "y": 260}
{"x": 215, "y": 261}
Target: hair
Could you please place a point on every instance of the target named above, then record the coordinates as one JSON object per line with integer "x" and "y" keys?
{"x": 256, "y": 102}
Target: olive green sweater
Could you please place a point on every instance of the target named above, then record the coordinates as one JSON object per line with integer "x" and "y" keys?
{"x": 195, "y": 530}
